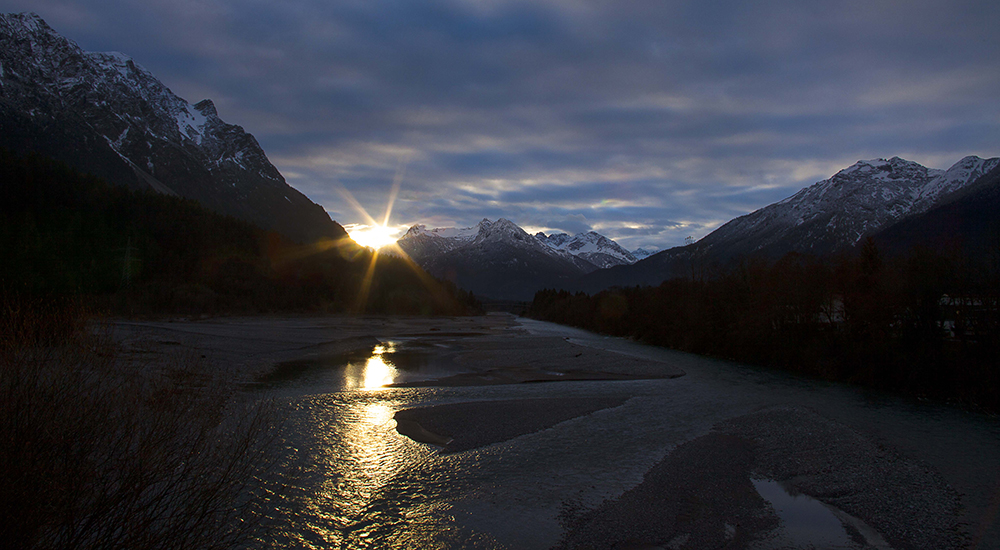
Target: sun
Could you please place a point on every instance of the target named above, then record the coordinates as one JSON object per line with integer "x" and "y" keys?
{"x": 372, "y": 236}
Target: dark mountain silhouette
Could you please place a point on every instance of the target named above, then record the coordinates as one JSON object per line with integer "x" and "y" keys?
{"x": 104, "y": 114}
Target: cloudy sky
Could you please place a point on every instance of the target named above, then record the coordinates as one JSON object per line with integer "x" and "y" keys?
{"x": 647, "y": 121}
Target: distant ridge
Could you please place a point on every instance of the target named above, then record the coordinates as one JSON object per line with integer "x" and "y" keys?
{"x": 498, "y": 259}
{"x": 591, "y": 246}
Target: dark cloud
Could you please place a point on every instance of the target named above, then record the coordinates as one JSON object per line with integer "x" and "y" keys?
{"x": 647, "y": 121}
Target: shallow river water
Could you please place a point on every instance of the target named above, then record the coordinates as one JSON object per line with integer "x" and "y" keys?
{"x": 353, "y": 482}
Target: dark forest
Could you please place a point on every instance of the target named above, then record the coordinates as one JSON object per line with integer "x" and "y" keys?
{"x": 924, "y": 323}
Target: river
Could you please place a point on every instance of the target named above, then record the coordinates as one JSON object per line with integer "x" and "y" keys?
{"x": 352, "y": 481}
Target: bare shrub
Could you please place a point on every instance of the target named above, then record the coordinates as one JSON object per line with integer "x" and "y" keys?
{"x": 99, "y": 451}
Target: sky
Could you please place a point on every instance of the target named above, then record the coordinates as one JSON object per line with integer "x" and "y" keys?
{"x": 647, "y": 121}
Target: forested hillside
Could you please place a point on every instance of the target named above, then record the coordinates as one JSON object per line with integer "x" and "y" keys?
{"x": 63, "y": 233}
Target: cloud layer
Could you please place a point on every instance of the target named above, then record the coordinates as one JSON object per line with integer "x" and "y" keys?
{"x": 648, "y": 121}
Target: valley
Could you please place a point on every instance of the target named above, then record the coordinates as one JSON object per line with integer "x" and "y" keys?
{"x": 195, "y": 354}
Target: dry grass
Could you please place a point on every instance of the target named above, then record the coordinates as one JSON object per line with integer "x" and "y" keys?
{"x": 102, "y": 452}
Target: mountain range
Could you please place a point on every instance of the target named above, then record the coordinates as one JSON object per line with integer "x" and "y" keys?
{"x": 104, "y": 114}
{"x": 500, "y": 260}
{"x": 839, "y": 212}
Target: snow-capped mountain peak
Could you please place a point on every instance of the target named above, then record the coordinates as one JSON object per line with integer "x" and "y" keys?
{"x": 884, "y": 169}
{"x": 591, "y": 246}
{"x": 502, "y": 230}
{"x": 840, "y": 211}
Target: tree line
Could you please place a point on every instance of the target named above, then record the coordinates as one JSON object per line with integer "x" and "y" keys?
{"x": 925, "y": 323}
{"x": 63, "y": 233}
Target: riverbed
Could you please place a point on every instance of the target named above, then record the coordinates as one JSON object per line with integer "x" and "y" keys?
{"x": 523, "y": 434}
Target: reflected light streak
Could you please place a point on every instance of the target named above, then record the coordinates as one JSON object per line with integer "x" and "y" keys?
{"x": 357, "y": 455}
{"x": 375, "y": 372}
{"x": 379, "y": 371}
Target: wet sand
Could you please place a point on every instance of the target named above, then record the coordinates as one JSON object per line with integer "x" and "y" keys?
{"x": 700, "y": 495}
{"x": 464, "y": 426}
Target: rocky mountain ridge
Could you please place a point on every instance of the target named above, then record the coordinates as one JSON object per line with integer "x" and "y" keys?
{"x": 839, "y": 212}
{"x": 105, "y": 114}
{"x": 829, "y": 216}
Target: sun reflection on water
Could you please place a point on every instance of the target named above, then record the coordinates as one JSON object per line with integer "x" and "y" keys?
{"x": 351, "y": 488}
{"x": 376, "y": 372}
{"x": 357, "y": 452}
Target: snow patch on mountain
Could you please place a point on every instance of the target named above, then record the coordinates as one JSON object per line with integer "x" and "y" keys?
{"x": 642, "y": 253}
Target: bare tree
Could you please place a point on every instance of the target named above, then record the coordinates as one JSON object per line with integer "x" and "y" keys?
{"x": 99, "y": 452}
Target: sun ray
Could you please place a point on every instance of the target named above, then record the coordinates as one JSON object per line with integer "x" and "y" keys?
{"x": 366, "y": 284}
{"x": 393, "y": 192}
{"x": 280, "y": 252}
{"x": 355, "y": 204}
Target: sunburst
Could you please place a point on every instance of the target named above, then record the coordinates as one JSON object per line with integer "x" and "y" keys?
{"x": 372, "y": 236}
{"x": 377, "y": 236}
